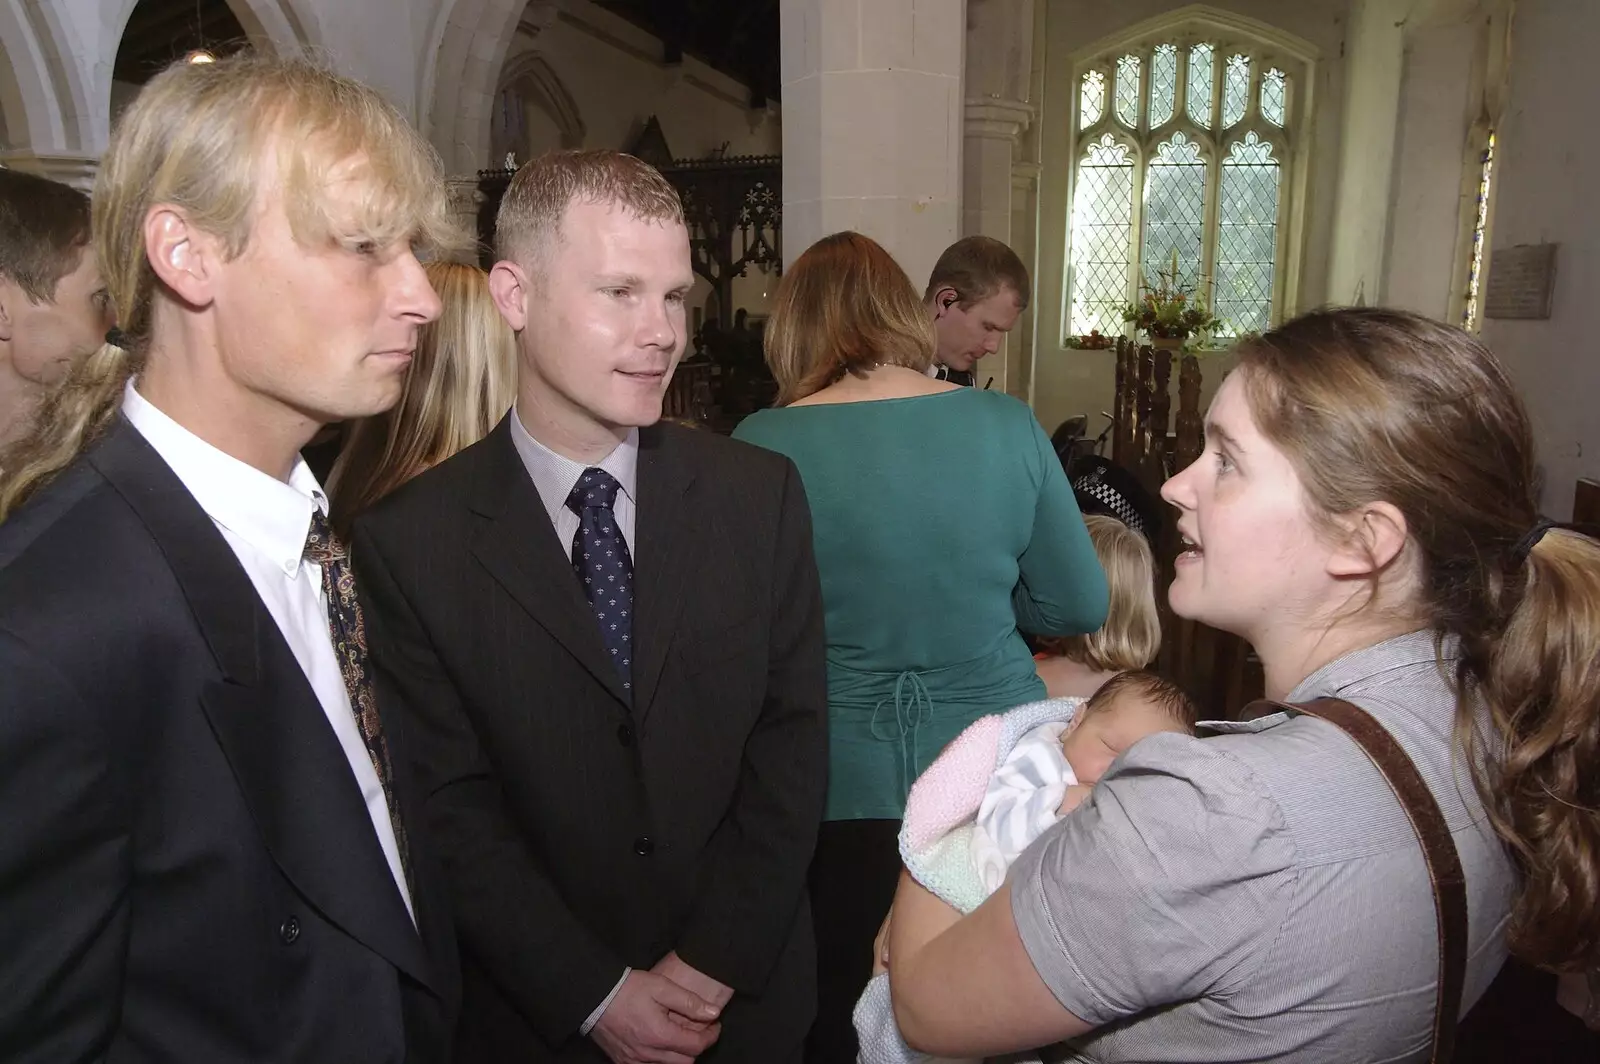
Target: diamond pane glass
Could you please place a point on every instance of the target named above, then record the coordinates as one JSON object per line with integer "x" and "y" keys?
{"x": 1235, "y": 89}
{"x": 1163, "y": 84}
{"x": 1202, "y": 74}
{"x": 1174, "y": 211}
{"x": 1091, "y": 99}
{"x": 1102, "y": 238}
{"x": 1247, "y": 237}
{"x": 1130, "y": 68}
{"x": 1274, "y": 96}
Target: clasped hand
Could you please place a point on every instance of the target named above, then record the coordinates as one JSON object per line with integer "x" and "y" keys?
{"x": 667, "y": 1015}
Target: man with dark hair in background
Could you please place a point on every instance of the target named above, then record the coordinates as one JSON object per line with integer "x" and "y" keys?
{"x": 978, "y": 290}
{"x": 53, "y": 306}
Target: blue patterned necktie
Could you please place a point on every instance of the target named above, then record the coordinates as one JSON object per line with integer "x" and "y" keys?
{"x": 600, "y": 558}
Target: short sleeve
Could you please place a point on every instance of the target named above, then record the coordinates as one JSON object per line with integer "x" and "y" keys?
{"x": 1170, "y": 883}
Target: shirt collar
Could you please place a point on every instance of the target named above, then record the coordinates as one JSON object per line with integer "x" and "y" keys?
{"x": 270, "y": 515}
{"x": 555, "y": 474}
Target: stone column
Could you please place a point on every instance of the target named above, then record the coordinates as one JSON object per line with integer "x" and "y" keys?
{"x": 872, "y": 124}
{"x": 997, "y": 114}
{"x": 464, "y": 202}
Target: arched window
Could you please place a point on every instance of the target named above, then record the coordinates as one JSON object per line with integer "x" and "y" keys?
{"x": 1183, "y": 147}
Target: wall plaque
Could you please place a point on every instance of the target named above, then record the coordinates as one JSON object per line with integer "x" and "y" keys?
{"x": 1521, "y": 281}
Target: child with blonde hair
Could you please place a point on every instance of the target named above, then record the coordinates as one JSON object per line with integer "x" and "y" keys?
{"x": 1076, "y": 666}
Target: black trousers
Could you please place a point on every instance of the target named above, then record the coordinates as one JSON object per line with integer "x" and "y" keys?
{"x": 852, "y": 878}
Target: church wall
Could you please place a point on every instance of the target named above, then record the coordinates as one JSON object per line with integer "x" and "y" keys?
{"x": 1546, "y": 192}
{"x": 1066, "y": 381}
{"x": 1422, "y": 272}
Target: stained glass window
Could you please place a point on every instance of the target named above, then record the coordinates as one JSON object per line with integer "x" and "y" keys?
{"x": 1469, "y": 317}
{"x": 1156, "y": 197}
{"x": 1129, "y": 72}
{"x": 1092, "y": 102}
{"x": 1235, "y": 90}
{"x": 1174, "y": 211}
{"x": 1102, "y": 237}
{"x": 1247, "y": 237}
{"x": 1202, "y": 74}
{"x": 1163, "y": 84}
{"x": 1274, "y": 96}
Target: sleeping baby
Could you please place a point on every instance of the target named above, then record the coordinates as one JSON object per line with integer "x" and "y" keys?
{"x": 1052, "y": 767}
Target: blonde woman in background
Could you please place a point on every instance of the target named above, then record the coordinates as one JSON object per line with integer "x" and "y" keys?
{"x": 460, "y": 384}
{"x": 1076, "y": 665}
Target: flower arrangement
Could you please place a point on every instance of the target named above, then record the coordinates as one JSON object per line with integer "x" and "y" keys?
{"x": 1094, "y": 340}
{"x": 1170, "y": 309}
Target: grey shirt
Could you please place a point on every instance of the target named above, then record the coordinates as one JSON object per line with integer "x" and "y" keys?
{"x": 1259, "y": 894}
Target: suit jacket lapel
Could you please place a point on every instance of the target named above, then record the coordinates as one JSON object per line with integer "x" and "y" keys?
{"x": 284, "y": 755}
{"x": 518, "y": 545}
{"x": 663, "y": 540}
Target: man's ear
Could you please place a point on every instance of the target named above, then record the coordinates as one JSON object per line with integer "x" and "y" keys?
{"x": 945, "y": 298}
{"x": 509, "y": 286}
{"x": 1374, "y": 536}
{"x": 9, "y": 294}
{"x": 183, "y": 256}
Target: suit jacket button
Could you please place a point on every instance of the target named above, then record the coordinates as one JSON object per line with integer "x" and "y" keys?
{"x": 644, "y": 846}
{"x": 625, "y": 734}
{"x": 289, "y": 931}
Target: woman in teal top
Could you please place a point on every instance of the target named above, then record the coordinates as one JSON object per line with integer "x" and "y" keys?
{"x": 943, "y": 523}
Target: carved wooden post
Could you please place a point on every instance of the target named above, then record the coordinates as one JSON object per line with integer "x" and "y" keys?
{"x": 1190, "y": 426}
{"x": 1143, "y": 395}
{"x": 1160, "y": 409}
{"x": 1122, "y": 404}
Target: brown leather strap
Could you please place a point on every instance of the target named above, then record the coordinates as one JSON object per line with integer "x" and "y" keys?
{"x": 1438, "y": 850}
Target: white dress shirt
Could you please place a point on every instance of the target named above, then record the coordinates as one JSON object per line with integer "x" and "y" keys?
{"x": 554, "y": 476}
{"x": 266, "y": 521}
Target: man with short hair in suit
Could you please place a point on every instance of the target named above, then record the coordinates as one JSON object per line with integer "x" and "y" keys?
{"x": 53, "y": 306}
{"x": 606, "y": 632}
{"x": 976, "y": 293}
{"x": 207, "y": 852}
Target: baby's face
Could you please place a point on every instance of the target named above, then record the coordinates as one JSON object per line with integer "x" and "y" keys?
{"x": 1098, "y": 738}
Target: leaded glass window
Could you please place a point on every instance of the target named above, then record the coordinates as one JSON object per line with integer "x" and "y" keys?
{"x": 1129, "y": 69}
{"x": 1102, "y": 227}
{"x": 1163, "y": 84}
{"x": 1093, "y": 100}
{"x": 1182, "y": 150}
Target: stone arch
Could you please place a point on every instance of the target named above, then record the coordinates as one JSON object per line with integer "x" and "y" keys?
{"x": 276, "y": 25}
{"x": 464, "y": 57}
{"x": 43, "y": 84}
{"x": 543, "y": 87}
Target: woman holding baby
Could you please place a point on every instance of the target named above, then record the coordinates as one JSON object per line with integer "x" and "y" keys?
{"x": 1364, "y": 515}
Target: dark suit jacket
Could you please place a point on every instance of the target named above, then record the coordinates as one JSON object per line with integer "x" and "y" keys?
{"x": 187, "y": 868}
{"x": 583, "y": 832}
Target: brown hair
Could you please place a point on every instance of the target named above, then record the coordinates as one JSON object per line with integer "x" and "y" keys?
{"x": 1163, "y": 695}
{"x": 529, "y": 220}
{"x": 195, "y": 139}
{"x": 459, "y": 384}
{"x": 843, "y": 307}
{"x": 977, "y": 267}
{"x": 1131, "y": 636}
{"x": 1373, "y": 404}
{"x": 44, "y": 229}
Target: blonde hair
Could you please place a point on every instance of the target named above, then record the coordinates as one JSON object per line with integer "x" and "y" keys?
{"x": 1131, "y": 636}
{"x": 460, "y": 383}
{"x": 1384, "y": 405}
{"x": 195, "y": 139}
{"x": 529, "y": 220}
{"x": 844, "y": 307}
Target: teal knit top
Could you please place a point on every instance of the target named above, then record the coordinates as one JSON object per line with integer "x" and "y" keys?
{"x": 942, "y": 523}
